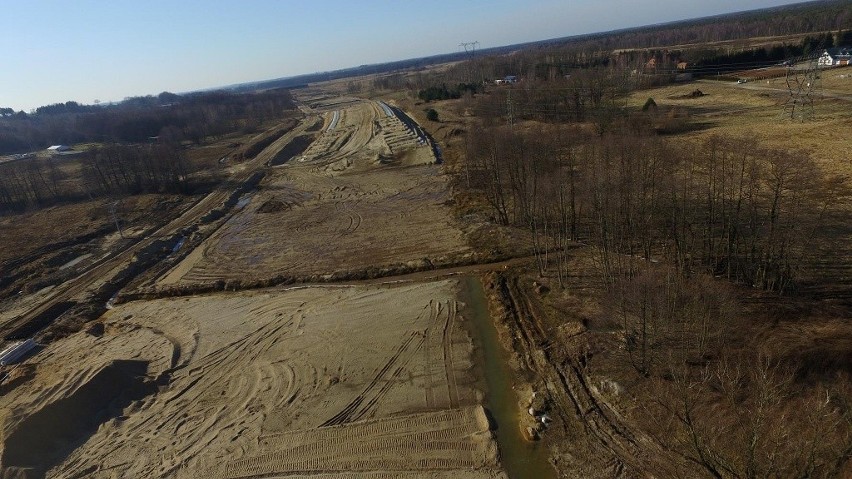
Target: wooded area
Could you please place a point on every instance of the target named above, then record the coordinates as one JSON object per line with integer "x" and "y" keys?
{"x": 744, "y": 214}
{"x": 680, "y": 232}
{"x": 139, "y": 146}
{"x": 171, "y": 117}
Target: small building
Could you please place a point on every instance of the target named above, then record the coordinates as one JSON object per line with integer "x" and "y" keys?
{"x": 835, "y": 57}
{"x": 58, "y": 148}
{"x": 507, "y": 80}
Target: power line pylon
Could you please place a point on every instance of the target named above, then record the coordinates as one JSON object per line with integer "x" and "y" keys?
{"x": 470, "y": 50}
{"x": 802, "y": 79}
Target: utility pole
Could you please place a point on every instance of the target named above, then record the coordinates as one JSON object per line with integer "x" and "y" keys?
{"x": 113, "y": 207}
{"x": 510, "y": 109}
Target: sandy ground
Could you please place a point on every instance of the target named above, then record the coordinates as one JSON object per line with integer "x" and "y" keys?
{"x": 337, "y": 381}
{"x": 299, "y": 381}
{"x": 348, "y": 203}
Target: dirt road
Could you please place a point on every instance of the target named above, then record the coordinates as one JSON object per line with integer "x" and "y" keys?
{"x": 365, "y": 195}
{"x": 818, "y": 93}
{"x": 105, "y": 269}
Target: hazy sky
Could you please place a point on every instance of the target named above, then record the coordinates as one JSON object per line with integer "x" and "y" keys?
{"x": 54, "y": 51}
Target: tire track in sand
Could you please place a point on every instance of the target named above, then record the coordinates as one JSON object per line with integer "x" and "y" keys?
{"x": 449, "y": 325}
{"x": 353, "y": 410}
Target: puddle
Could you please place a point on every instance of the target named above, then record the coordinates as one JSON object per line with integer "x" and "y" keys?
{"x": 244, "y": 200}
{"x": 179, "y": 244}
{"x": 75, "y": 261}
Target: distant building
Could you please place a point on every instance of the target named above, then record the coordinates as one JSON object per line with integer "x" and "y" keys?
{"x": 835, "y": 57}
{"x": 58, "y": 148}
{"x": 509, "y": 79}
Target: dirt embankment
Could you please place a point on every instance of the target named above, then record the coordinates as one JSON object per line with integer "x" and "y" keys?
{"x": 262, "y": 141}
{"x": 602, "y": 444}
{"x": 43, "y": 439}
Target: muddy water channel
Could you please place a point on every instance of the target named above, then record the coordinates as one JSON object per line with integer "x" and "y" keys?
{"x": 520, "y": 458}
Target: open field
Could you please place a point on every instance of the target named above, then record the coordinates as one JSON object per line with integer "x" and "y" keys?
{"x": 756, "y": 111}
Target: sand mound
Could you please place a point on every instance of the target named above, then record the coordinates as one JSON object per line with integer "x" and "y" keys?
{"x": 273, "y": 206}
{"x": 45, "y": 437}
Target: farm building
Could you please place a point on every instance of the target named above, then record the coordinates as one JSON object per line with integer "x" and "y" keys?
{"x": 58, "y": 148}
{"x": 834, "y": 57}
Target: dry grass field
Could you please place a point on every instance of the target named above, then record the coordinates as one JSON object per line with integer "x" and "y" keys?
{"x": 755, "y": 112}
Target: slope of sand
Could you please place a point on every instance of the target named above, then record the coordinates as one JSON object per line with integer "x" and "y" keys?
{"x": 372, "y": 380}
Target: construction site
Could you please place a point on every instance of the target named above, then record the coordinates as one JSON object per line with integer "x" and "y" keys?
{"x": 376, "y": 378}
{"x": 621, "y": 255}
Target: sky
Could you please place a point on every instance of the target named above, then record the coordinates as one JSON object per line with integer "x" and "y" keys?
{"x": 83, "y": 50}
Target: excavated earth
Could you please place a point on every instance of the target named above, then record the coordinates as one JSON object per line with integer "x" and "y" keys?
{"x": 366, "y": 194}
{"x": 332, "y": 381}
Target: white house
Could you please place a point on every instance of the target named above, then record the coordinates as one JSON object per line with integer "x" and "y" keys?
{"x": 834, "y": 57}
{"x": 58, "y": 148}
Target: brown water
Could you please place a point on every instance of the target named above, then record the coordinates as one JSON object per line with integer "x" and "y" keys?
{"x": 520, "y": 458}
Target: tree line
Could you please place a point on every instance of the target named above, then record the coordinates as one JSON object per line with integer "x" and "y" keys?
{"x": 743, "y": 213}
{"x": 443, "y": 93}
{"x": 108, "y": 170}
{"x": 631, "y": 49}
{"x": 191, "y": 117}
